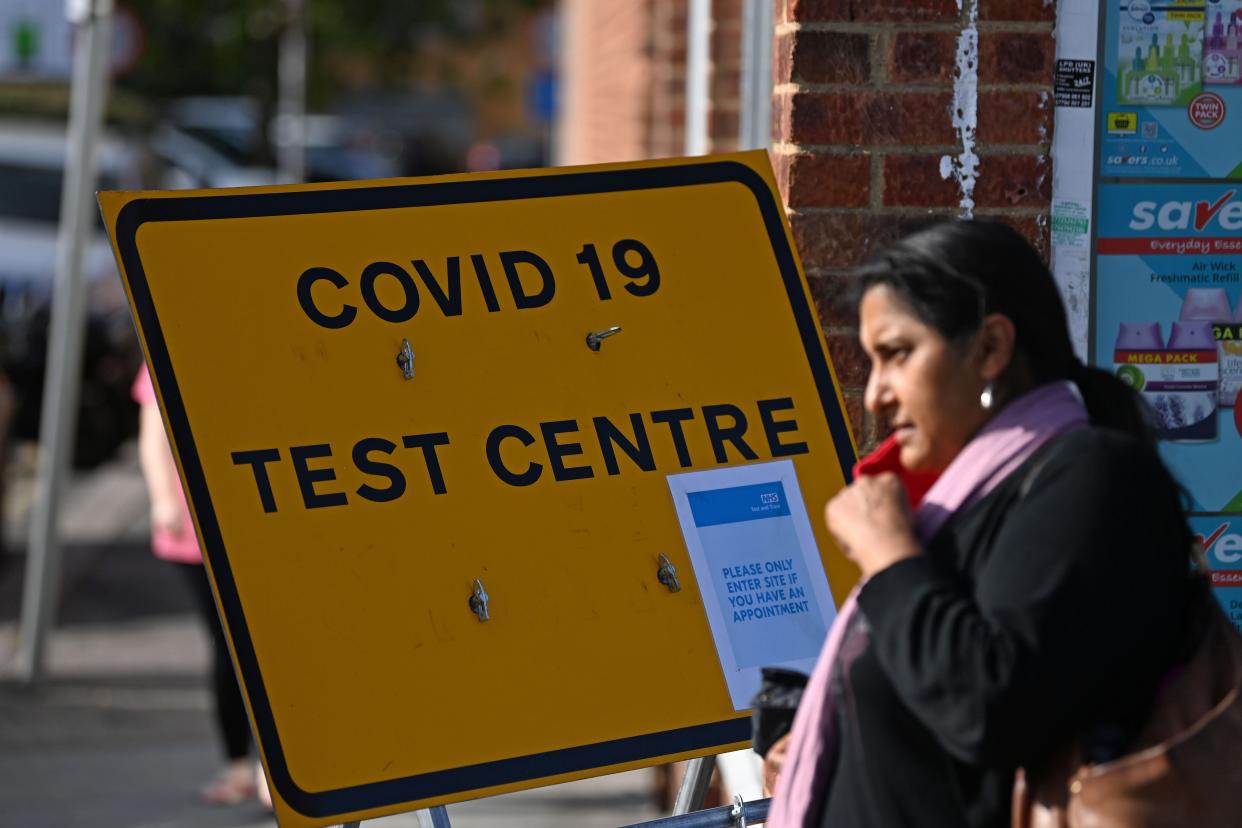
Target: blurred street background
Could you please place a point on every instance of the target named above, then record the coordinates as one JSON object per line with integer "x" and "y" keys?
{"x": 202, "y": 95}
{"x": 859, "y": 105}
{"x": 118, "y": 732}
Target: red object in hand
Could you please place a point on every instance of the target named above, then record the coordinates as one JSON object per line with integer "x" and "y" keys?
{"x": 887, "y": 458}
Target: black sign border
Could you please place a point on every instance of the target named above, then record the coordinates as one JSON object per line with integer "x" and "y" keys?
{"x": 373, "y": 795}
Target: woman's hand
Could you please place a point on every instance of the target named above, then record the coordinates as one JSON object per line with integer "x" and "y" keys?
{"x": 772, "y": 764}
{"x": 871, "y": 520}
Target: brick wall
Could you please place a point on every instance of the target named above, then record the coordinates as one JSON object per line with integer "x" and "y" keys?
{"x": 624, "y": 79}
{"x": 863, "y": 120}
{"x": 666, "y": 136}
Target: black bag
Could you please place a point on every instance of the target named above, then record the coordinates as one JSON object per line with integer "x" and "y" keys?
{"x": 774, "y": 706}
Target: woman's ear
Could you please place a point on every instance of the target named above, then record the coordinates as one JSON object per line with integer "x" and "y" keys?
{"x": 996, "y": 340}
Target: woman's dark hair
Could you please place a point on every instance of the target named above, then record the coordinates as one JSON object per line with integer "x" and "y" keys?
{"x": 953, "y": 273}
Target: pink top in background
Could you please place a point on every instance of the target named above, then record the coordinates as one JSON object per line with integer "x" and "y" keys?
{"x": 180, "y": 546}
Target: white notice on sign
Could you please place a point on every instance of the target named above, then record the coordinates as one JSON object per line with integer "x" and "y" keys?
{"x": 758, "y": 568}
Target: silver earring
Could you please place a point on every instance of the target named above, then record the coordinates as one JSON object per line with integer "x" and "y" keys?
{"x": 988, "y": 396}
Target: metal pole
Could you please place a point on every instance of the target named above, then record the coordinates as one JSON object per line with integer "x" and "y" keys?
{"x": 291, "y": 107}
{"x": 755, "y": 123}
{"x": 436, "y": 817}
{"x": 752, "y": 813}
{"x": 60, "y": 390}
{"x": 693, "y": 791}
{"x": 698, "y": 74}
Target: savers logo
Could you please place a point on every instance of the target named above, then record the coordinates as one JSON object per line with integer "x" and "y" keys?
{"x": 1185, "y": 215}
{"x": 1223, "y": 549}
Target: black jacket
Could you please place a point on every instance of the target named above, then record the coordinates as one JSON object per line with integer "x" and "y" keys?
{"x": 1031, "y": 618}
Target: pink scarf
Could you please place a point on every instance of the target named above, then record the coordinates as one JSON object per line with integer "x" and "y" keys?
{"x": 1006, "y": 442}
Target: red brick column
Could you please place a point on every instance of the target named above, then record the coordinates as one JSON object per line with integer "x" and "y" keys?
{"x": 863, "y": 123}
{"x": 668, "y": 80}
{"x": 668, "y": 90}
{"x": 625, "y": 79}
{"x": 607, "y": 93}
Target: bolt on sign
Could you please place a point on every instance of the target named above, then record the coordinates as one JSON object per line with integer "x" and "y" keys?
{"x": 428, "y": 429}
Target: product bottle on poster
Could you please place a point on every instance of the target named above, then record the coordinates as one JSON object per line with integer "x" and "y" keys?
{"x": 1160, "y": 50}
{"x": 1212, "y": 305}
{"x": 1133, "y": 74}
{"x": 1139, "y": 347}
{"x": 1184, "y": 388}
{"x": 1186, "y": 68}
{"x": 1221, "y": 51}
{"x": 1140, "y": 336}
{"x": 1160, "y": 63}
{"x": 1233, "y": 49}
{"x": 1229, "y": 352}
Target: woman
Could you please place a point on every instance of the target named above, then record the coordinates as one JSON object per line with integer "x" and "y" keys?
{"x": 1037, "y": 593}
{"x": 173, "y": 540}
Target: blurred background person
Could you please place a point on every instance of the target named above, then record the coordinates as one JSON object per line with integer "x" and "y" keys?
{"x": 173, "y": 539}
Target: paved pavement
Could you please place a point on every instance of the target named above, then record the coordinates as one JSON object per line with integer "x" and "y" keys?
{"x": 119, "y": 735}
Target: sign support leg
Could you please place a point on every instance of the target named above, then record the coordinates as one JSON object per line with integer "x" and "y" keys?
{"x": 436, "y": 817}
{"x": 693, "y": 791}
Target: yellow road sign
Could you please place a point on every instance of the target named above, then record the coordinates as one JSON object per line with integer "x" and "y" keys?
{"x": 385, "y": 397}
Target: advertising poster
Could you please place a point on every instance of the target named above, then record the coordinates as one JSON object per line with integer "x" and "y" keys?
{"x": 1171, "y": 91}
{"x": 1168, "y": 321}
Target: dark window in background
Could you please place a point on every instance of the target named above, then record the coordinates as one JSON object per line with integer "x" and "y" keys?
{"x": 33, "y": 193}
